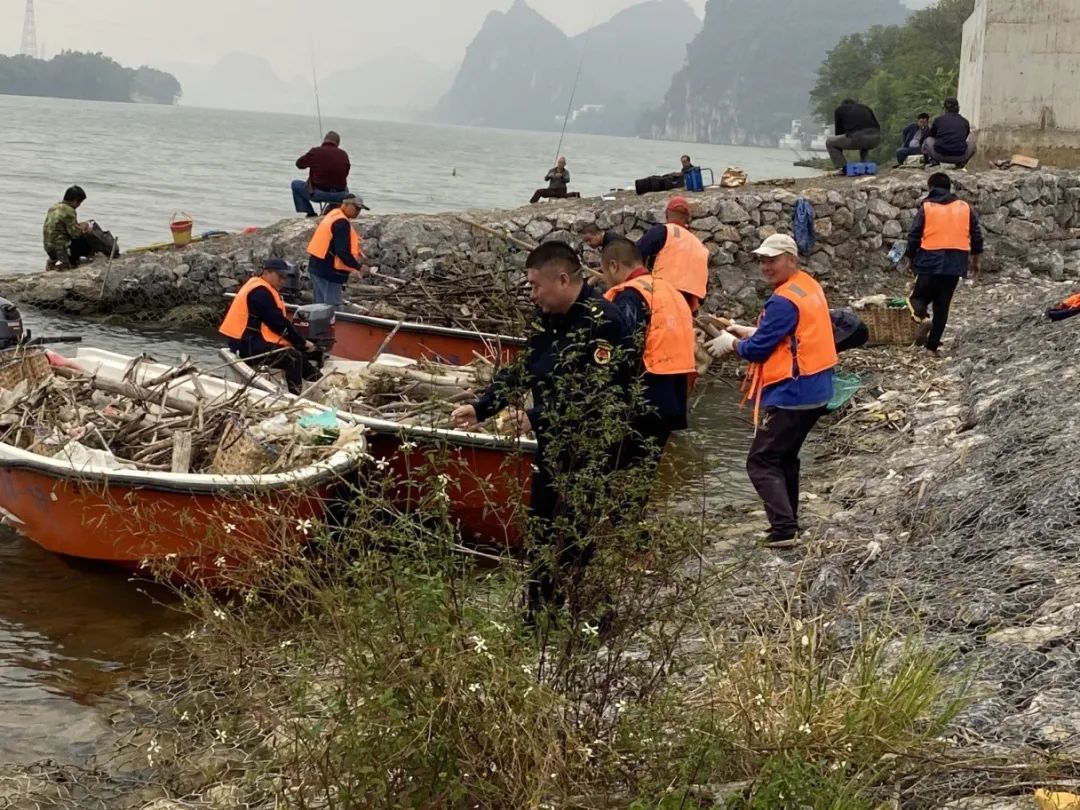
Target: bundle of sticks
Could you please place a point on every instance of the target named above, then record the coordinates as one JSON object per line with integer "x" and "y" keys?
{"x": 142, "y": 427}
{"x": 464, "y": 298}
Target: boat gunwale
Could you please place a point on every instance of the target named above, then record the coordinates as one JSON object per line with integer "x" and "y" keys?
{"x": 340, "y": 463}
{"x": 417, "y": 326}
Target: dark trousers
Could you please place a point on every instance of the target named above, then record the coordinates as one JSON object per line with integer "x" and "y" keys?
{"x": 550, "y": 193}
{"x": 78, "y": 249}
{"x": 260, "y": 354}
{"x": 864, "y": 140}
{"x": 773, "y": 466}
{"x": 903, "y": 153}
{"x": 934, "y": 293}
{"x": 857, "y": 339}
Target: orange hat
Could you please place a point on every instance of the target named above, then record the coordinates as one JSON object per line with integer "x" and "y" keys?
{"x": 679, "y": 204}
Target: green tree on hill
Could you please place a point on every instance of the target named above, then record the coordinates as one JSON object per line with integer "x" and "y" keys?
{"x": 90, "y": 76}
{"x": 899, "y": 70}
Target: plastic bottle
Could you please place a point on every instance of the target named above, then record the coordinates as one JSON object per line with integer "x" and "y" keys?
{"x": 897, "y": 253}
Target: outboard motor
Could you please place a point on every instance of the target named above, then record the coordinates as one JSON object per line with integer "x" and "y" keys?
{"x": 11, "y": 325}
{"x": 315, "y": 322}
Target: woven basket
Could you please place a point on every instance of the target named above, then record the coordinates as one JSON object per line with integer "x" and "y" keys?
{"x": 240, "y": 453}
{"x": 17, "y": 365}
{"x": 891, "y": 326}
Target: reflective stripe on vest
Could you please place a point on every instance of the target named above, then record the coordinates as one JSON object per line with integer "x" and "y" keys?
{"x": 683, "y": 262}
{"x": 946, "y": 227}
{"x": 669, "y": 340}
{"x": 238, "y": 319}
{"x": 323, "y": 239}
{"x": 812, "y": 348}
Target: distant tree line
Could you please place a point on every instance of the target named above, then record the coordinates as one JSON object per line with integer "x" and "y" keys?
{"x": 898, "y": 70}
{"x": 89, "y": 76}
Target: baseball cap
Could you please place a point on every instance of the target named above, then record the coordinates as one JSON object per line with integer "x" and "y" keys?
{"x": 678, "y": 204}
{"x": 357, "y": 201}
{"x": 777, "y": 245}
{"x": 279, "y": 266}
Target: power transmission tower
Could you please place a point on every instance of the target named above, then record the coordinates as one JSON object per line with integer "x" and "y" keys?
{"x": 29, "y": 32}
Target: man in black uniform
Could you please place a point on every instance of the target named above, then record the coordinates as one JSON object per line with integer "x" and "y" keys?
{"x": 576, "y": 368}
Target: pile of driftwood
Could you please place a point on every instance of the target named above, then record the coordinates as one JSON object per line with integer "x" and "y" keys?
{"x": 423, "y": 393}
{"x": 124, "y": 425}
{"x": 467, "y": 298}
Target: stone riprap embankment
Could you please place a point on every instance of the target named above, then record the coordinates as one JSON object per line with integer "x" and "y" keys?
{"x": 1029, "y": 217}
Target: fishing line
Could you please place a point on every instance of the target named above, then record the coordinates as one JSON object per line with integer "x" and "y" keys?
{"x": 573, "y": 89}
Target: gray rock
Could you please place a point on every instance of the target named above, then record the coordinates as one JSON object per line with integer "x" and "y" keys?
{"x": 732, "y": 213}
{"x": 538, "y": 229}
{"x": 882, "y": 209}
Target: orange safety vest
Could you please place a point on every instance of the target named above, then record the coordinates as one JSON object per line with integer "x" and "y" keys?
{"x": 319, "y": 246}
{"x": 946, "y": 226}
{"x": 683, "y": 262}
{"x": 669, "y": 340}
{"x": 811, "y": 350}
{"x": 238, "y": 318}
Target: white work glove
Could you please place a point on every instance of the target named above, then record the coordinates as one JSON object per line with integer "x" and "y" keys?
{"x": 742, "y": 332}
{"x": 721, "y": 346}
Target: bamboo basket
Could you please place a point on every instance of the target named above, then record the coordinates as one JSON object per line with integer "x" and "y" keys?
{"x": 891, "y": 326}
{"x": 240, "y": 453}
{"x": 17, "y": 365}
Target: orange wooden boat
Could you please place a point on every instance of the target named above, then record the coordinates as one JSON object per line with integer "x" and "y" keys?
{"x": 198, "y": 525}
{"x": 359, "y": 337}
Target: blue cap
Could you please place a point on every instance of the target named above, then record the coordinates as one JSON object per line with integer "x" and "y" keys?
{"x": 279, "y": 266}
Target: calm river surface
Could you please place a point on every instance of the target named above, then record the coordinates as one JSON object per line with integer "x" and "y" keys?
{"x": 72, "y": 635}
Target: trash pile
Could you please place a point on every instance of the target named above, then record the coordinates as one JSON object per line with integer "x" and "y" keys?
{"x": 420, "y": 393}
{"x": 100, "y": 425}
{"x": 462, "y": 297}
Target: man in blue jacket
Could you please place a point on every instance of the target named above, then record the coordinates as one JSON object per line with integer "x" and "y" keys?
{"x": 911, "y": 142}
{"x": 945, "y": 244}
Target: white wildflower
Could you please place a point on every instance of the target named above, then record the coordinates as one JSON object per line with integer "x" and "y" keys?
{"x": 474, "y": 687}
{"x": 478, "y": 643}
{"x": 590, "y": 630}
{"x": 222, "y": 736}
{"x": 287, "y": 643}
{"x": 304, "y": 526}
{"x": 382, "y": 464}
{"x": 219, "y": 614}
{"x": 220, "y": 562}
{"x": 805, "y": 728}
{"x": 230, "y": 528}
{"x": 171, "y": 557}
{"x": 806, "y": 641}
{"x": 408, "y": 446}
{"x": 759, "y": 699}
{"x": 152, "y": 749}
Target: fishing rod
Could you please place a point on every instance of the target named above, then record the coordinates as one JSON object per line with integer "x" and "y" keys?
{"x": 315, "y": 85}
{"x": 573, "y": 89}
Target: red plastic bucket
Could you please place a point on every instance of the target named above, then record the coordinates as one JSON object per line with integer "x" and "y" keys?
{"x": 181, "y": 227}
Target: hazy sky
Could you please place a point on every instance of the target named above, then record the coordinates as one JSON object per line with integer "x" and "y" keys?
{"x": 202, "y": 31}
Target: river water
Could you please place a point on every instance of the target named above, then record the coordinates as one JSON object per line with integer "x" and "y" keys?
{"x": 71, "y": 635}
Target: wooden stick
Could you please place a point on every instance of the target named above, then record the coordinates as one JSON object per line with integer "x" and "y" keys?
{"x": 492, "y": 232}
{"x": 181, "y": 452}
{"x": 386, "y": 341}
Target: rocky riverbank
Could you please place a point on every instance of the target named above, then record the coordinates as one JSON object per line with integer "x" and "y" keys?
{"x": 941, "y": 503}
{"x": 1030, "y": 218}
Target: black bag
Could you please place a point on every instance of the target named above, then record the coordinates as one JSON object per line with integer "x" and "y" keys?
{"x": 103, "y": 242}
{"x": 658, "y": 182}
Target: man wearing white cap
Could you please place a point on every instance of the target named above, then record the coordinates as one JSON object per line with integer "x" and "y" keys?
{"x": 792, "y": 355}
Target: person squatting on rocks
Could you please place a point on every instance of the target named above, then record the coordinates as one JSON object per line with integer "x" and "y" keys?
{"x": 335, "y": 252}
{"x": 258, "y": 327}
{"x": 856, "y": 127}
{"x": 328, "y": 175}
{"x": 950, "y": 139}
{"x": 557, "y": 179}
{"x": 575, "y": 367}
{"x": 944, "y": 245}
{"x": 66, "y": 240}
{"x": 597, "y": 238}
{"x": 792, "y": 355}
{"x": 673, "y": 253}
{"x": 913, "y": 138}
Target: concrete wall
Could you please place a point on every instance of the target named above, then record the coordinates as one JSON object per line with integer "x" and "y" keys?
{"x": 1020, "y": 78}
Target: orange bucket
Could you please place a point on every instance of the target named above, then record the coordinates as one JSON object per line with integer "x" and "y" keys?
{"x": 181, "y": 226}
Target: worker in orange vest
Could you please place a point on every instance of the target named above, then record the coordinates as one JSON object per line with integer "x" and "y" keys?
{"x": 676, "y": 255}
{"x": 659, "y": 321}
{"x": 944, "y": 245}
{"x": 258, "y": 326}
{"x": 792, "y": 355}
{"x": 335, "y": 252}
